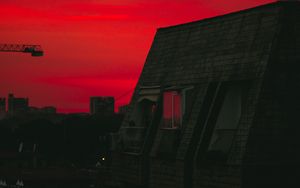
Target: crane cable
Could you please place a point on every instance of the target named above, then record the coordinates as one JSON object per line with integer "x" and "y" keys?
{"x": 124, "y": 94}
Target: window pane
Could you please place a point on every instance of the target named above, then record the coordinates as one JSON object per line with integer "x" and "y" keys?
{"x": 222, "y": 140}
{"x": 227, "y": 120}
{"x": 167, "y": 110}
{"x": 176, "y": 110}
{"x": 171, "y": 109}
{"x": 231, "y": 109}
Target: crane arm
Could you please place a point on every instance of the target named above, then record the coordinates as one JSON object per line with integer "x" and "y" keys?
{"x": 35, "y": 50}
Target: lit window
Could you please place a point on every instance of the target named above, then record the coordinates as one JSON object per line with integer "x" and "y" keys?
{"x": 172, "y": 112}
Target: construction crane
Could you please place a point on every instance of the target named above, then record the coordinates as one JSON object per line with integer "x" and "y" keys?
{"x": 35, "y": 50}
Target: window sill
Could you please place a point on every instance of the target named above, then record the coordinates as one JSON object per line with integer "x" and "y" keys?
{"x": 170, "y": 129}
{"x": 135, "y": 127}
{"x": 131, "y": 153}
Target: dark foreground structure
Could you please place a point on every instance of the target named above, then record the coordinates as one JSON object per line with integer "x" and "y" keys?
{"x": 217, "y": 105}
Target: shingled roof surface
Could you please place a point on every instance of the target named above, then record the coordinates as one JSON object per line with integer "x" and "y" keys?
{"x": 191, "y": 52}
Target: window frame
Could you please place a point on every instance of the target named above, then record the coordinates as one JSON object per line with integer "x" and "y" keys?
{"x": 182, "y": 92}
{"x": 216, "y": 93}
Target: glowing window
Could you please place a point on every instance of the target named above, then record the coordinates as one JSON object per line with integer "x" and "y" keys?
{"x": 172, "y": 112}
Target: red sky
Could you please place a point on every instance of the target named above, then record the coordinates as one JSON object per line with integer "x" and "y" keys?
{"x": 92, "y": 47}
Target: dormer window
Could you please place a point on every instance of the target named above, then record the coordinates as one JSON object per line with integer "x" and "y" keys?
{"x": 146, "y": 106}
{"x": 141, "y": 118}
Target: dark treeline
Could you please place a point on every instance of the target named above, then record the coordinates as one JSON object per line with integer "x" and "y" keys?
{"x": 58, "y": 140}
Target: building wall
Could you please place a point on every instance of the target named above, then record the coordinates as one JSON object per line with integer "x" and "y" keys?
{"x": 272, "y": 152}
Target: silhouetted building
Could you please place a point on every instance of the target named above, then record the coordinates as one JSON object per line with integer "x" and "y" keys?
{"x": 2, "y": 107}
{"x": 123, "y": 109}
{"x": 49, "y": 109}
{"x": 43, "y": 110}
{"x": 216, "y": 105}
{"x": 102, "y": 105}
{"x": 33, "y": 109}
{"x": 17, "y": 105}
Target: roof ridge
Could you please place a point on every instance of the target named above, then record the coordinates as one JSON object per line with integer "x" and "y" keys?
{"x": 276, "y": 3}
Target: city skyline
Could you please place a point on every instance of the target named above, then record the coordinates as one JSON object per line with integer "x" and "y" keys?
{"x": 98, "y": 105}
{"x": 92, "y": 48}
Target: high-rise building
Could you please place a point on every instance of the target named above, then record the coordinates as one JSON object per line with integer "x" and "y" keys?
{"x": 102, "y": 105}
{"x": 16, "y": 105}
{"x": 2, "y": 108}
{"x": 2, "y": 105}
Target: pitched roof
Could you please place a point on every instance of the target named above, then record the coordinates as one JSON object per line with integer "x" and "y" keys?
{"x": 232, "y": 45}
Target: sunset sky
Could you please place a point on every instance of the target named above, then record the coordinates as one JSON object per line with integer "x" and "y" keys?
{"x": 92, "y": 47}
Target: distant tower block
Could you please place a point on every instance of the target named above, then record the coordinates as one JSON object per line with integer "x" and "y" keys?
{"x": 2, "y": 105}
{"x": 102, "y": 105}
{"x": 17, "y": 105}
